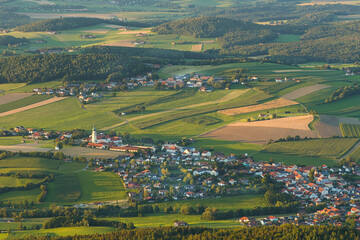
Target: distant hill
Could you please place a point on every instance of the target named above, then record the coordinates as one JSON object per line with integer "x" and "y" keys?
{"x": 59, "y": 24}
{"x": 6, "y": 40}
{"x": 203, "y": 26}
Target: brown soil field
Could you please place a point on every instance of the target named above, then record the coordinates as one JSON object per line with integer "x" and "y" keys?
{"x": 197, "y": 48}
{"x": 260, "y": 132}
{"x": 329, "y": 126}
{"x": 35, "y": 105}
{"x": 304, "y": 91}
{"x": 281, "y": 102}
{"x": 133, "y": 32}
{"x": 13, "y": 97}
{"x": 111, "y": 26}
{"x": 122, "y": 43}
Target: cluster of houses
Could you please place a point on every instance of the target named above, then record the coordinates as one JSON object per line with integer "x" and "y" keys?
{"x": 105, "y": 142}
{"x": 195, "y": 80}
{"x": 199, "y": 177}
{"x": 37, "y": 134}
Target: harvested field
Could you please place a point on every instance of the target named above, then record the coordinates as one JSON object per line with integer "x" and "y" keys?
{"x": 111, "y": 26}
{"x": 13, "y": 97}
{"x": 278, "y": 103}
{"x": 197, "y": 48}
{"x": 329, "y": 126}
{"x": 122, "y": 43}
{"x": 90, "y": 152}
{"x": 134, "y": 32}
{"x": 35, "y": 105}
{"x": 260, "y": 132}
{"x": 24, "y": 148}
{"x": 304, "y": 91}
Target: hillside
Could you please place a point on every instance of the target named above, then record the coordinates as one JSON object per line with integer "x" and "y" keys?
{"x": 42, "y": 68}
{"x": 59, "y": 24}
{"x": 203, "y": 27}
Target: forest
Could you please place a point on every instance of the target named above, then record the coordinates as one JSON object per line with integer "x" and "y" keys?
{"x": 59, "y": 24}
{"x": 283, "y": 232}
{"x": 42, "y": 68}
{"x": 9, "y": 19}
{"x": 6, "y": 40}
{"x": 203, "y": 27}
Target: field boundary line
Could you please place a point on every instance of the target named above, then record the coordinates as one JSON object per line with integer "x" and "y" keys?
{"x": 351, "y": 150}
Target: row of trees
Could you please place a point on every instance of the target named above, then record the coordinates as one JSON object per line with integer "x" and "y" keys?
{"x": 343, "y": 92}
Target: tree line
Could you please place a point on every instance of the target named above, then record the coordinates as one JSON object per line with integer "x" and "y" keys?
{"x": 343, "y": 92}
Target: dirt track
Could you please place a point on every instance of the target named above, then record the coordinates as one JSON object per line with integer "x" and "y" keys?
{"x": 304, "y": 91}
{"x": 35, "y": 105}
{"x": 329, "y": 126}
{"x": 264, "y": 106}
{"x": 13, "y": 97}
{"x": 260, "y": 132}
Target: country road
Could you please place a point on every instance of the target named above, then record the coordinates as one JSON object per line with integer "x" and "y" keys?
{"x": 353, "y": 149}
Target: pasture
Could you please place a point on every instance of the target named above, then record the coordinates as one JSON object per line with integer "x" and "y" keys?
{"x": 65, "y": 188}
{"x": 100, "y": 186}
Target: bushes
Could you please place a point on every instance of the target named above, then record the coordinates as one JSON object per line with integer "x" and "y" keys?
{"x": 43, "y": 194}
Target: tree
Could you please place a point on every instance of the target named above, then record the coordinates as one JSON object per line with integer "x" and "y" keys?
{"x": 311, "y": 175}
{"x": 270, "y": 197}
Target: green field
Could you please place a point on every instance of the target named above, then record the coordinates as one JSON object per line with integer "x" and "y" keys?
{"x": 328, "y": 148}
{"x": 100, "y": 186}
{"x": 350, "y": 130}
{"x": 6, "y": 140}
{"x": 287, "y": 38}
{"x": 65, "y": 188}
{"x": 23, "y": 102}
{"x": 70, "y": 231}
{"x": 248, "y": 201}
{"x": 16, "y": 182}
{"x": 227, "y": 147}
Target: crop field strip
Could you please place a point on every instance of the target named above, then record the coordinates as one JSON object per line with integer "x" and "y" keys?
{"x": 350, "y": 130}
{"x": 26, "y": 101}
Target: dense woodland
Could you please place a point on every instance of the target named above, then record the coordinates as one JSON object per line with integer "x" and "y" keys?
{"x": 203, "y": 27}
{"x": 9, "y": 19}
{"x": 42, "y": 68}
{"x": 284, "y": 232}
{"x": 59, "y": 24}
{"x": 6, "y": 40}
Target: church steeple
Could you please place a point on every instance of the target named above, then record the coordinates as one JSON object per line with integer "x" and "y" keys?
{"x": 94, "y": 135}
